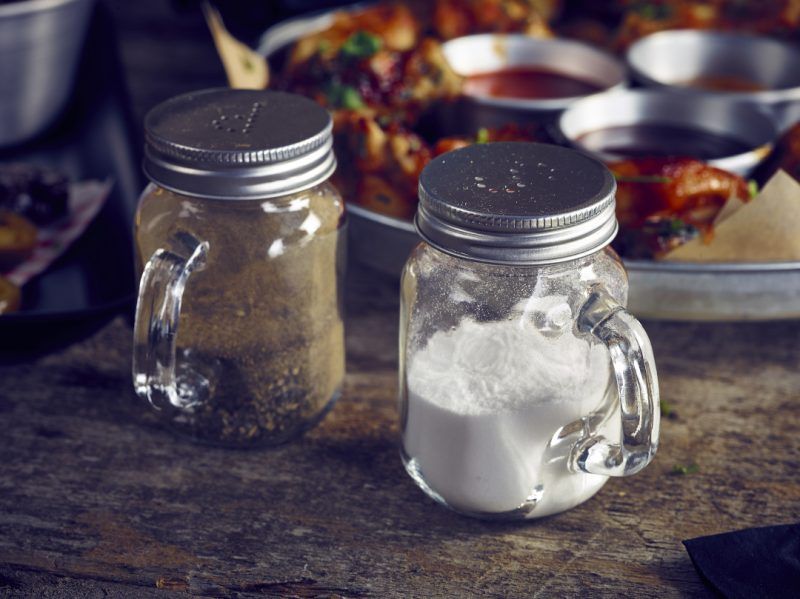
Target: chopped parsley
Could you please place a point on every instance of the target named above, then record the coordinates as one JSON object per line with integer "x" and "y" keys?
{"x": 361, "y": 44}
{"x": 752, "y": 188}
{"x": 669, "y": 227}
{"x": 344, "y": 96}
{"x": 666, "y": 409}
{"x": 676, "y": 225}
{"x": 653, "y": 11}
{"x": 684, "y": 470}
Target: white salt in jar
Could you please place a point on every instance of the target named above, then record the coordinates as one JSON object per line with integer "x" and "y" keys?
{"x": 524, "y": 382}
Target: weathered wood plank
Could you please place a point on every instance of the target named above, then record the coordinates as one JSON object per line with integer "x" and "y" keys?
{"x": 92, "y": 490}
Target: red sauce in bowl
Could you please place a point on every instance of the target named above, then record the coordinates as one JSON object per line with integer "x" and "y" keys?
{"x": 528, "y": 83}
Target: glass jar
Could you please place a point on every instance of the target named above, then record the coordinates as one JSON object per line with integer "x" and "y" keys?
{"x": 239, "y": 338}
{"x": 524, "y": 382}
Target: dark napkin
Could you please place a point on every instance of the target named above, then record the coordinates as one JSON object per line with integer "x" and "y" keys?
{"x": 756, "y": 562}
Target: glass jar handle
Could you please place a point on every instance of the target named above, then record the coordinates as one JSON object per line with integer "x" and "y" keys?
{"x": 637, "y": 385}
{"x": 157, "y": 310}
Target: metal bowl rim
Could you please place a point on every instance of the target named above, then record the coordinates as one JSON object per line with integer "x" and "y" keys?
{"x": 732, "y": 268}
{"x": 769, "y": 96}
{"x": 765, "y": 145}
{"x": 28, "y": 7}
{"x": 550, "y": 103}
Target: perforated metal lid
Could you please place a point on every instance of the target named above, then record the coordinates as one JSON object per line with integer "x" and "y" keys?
{"x": 238, "y": 144}
{"x": 517, "y": 203}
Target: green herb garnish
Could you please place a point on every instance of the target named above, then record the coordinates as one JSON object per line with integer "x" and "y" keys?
{"x": 483, "y": 136}
{"x": 676, "y": 225}
{"x": 654, "y": 12}
{"x": 752, "y": 188}
{"x": 361, "y": 44}
{"x": 344, "y": 96}
{"x": 666, "y": 409}
{"x": 684, "y": 470}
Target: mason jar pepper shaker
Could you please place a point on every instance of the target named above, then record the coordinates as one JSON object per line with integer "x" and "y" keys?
{"x": 239, "y": 337}
{"x": 525, "y": 383}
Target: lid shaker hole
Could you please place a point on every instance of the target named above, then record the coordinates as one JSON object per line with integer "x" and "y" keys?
{"x": 481, "y": 203}
{"x": 222, "y": 160}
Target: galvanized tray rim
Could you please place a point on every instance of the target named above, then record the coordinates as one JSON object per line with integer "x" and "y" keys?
{"x": 639, "y": 265}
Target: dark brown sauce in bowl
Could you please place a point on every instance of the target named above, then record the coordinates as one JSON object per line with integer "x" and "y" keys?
{"x": 528, "y": 83}
{"x": 659, "y": 140}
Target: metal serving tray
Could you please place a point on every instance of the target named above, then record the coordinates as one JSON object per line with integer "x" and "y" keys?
{"x": 659, "y": 290}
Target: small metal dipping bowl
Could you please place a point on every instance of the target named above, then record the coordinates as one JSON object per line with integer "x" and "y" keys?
{"x": 485, "y": 53}
{"x": 712, "y": 114}
{"x": 673, "y": 59}
{"x": 40, "y": 46}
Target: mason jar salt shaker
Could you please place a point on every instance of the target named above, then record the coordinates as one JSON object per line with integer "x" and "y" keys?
{"x": 525, "y": 383}
{"x": 239, "y": 338}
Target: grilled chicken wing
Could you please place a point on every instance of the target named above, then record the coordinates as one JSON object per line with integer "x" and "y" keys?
{"x": 395, "y": 25}
{"x": 365, "y": 72}
{"x": 773, "y": 17}
{"x": 454, "y": 18}
{"x": 663, "y": 202}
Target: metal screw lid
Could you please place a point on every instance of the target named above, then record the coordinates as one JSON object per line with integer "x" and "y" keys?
{"x": 517, "y": 203}
{"x": 238, "y": 144}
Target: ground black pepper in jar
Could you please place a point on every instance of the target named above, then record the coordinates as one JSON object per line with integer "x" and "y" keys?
{"x": 239, "y": 336}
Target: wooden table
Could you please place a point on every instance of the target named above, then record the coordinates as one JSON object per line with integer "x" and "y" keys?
{"x": 95, "y": 500}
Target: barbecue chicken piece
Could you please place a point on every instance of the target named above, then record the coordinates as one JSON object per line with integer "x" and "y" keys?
{"x": 455, "y": 18}
{"x": 366, "y": 72}
{"x": 394, "y": 24}
{"x": 379, "y": 164}
{"x": 664, "y": 202}
{"x": 771, "y": 17}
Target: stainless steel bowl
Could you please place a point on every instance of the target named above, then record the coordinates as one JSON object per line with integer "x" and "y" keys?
{"x": 40, "y": 46}
{"x": 673, "y": 59}
{"x": 707, "y": 113}
{"x": 484, "y": 53}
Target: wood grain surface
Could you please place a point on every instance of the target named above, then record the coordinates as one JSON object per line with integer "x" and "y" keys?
{"x": 94, "y": 498}
{"x": 97, "y": 501}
